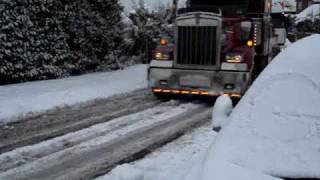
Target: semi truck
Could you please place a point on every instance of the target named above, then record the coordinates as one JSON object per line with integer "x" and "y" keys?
{"x": 219, "y": 48}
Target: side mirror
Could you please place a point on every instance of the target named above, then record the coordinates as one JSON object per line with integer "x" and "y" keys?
{"x": 245, "y": 30}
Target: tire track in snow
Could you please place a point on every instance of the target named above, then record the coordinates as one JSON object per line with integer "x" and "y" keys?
{"x": 97, "y": 154}
{"x": 55, "y": 123}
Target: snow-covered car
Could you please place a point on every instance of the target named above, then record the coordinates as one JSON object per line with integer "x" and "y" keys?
{"x": 274, "y": 131}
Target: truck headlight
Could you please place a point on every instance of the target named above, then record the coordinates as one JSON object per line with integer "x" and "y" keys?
{"x": 234, "y": 58}
{"x": 161, "y": 56}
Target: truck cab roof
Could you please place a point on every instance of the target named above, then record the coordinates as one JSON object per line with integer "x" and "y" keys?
{"x": 239, "y": 7}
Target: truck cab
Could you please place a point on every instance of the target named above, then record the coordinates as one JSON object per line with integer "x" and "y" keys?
{"x": 218, "y": 48}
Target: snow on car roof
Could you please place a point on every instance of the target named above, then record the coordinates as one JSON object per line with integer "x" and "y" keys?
{"x": 275, "y": 129}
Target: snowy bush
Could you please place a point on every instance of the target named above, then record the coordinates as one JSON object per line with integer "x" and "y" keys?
{"x": 32, "y": 44}
{"x": 148, "y": 27}
{"x": 91, "y": 29}
{"x": 44, "y": 39}
{"x": 308, "y": 21}
{"x": 309, "y": 26}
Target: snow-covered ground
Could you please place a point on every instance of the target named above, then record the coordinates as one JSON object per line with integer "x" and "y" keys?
{"x": 81, "y": 141}
{"x": 168, "y": 163}
{"x": 273, "y": 132}
{"x": 21, "y": 99}
{"x": 275, "y": 129}
{"x": 310, "y": 13}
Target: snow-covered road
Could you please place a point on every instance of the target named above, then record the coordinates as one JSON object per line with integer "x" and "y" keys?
{"x": 81, "y": 127}
{"x": 59, "y": 122}
{"x": 91, "y": 151}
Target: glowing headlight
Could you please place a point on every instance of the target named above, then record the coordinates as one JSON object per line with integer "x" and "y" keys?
{"x": 161, "y": 56}
{"x": 234, "y": 58}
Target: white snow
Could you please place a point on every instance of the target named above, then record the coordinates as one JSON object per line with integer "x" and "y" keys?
{"x": 221, "y": 112}
{"x": 311, "y": 13}
{"x": 287, "y": 44}
{"x": 33, "y": 157}
{"x": 225, "y": 171}
{"x": 169, "y": 162}
{"x": 275, "y": 129}
{"x": 21, "y": 99}
{"x": 290, "y": 6}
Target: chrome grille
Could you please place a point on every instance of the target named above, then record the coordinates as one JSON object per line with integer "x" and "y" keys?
{"x": 196, "y": 45}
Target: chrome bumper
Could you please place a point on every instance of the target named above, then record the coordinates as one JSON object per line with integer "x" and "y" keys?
{"x": 198, "y": 81}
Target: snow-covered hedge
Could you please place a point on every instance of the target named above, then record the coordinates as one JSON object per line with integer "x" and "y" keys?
{"x": 309, "y": 26}
{"x": 311, "y": 13}
{"x": 308, "y": 21}
{"x": 148, "y": 27}
{"x": 43, "y": 39}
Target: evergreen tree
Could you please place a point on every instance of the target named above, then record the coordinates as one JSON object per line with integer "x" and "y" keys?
{"x": 92, "y": 31}
{"x": 43, "y": 39}
{"x": 149, "y": 27}
{"x": 308, "y": 27}
{"x": 32, "y": 44}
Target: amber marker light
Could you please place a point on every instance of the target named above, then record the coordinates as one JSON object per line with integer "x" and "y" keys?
{"x": 157, "y": 90}
{"x": 163, "y": 42}
{"x": 185, "y": 92}
{"x": 236, "y": 95}
{"x": 204, "y": 93}
{"x": 195, "y": 92}
{"x": 250, "y": 43}
{"x": 175, "y": 91}
{"x": 166, "y": 91}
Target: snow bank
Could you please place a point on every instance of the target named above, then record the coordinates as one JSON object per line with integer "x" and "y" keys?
{"x": 311, "y": 13}
{"x": 226, "y": 171}
{"x": 20, "y": 99}
{"x": 165, "y": 163}
{"x": 221, "y": 111}
{"x": 275, "y": 129}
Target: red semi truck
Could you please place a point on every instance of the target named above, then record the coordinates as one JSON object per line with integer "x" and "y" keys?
{"x": 219, "y": 47}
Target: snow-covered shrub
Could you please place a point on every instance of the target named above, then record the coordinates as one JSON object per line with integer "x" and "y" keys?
{"x": 91, "y": 29}
{"x": 308, "y": 27}
{"x": 308, "y": 21}
{"x": 32, "y": 43}
{"x": 147, "y": 28}
{"x": 43, "y": 39}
